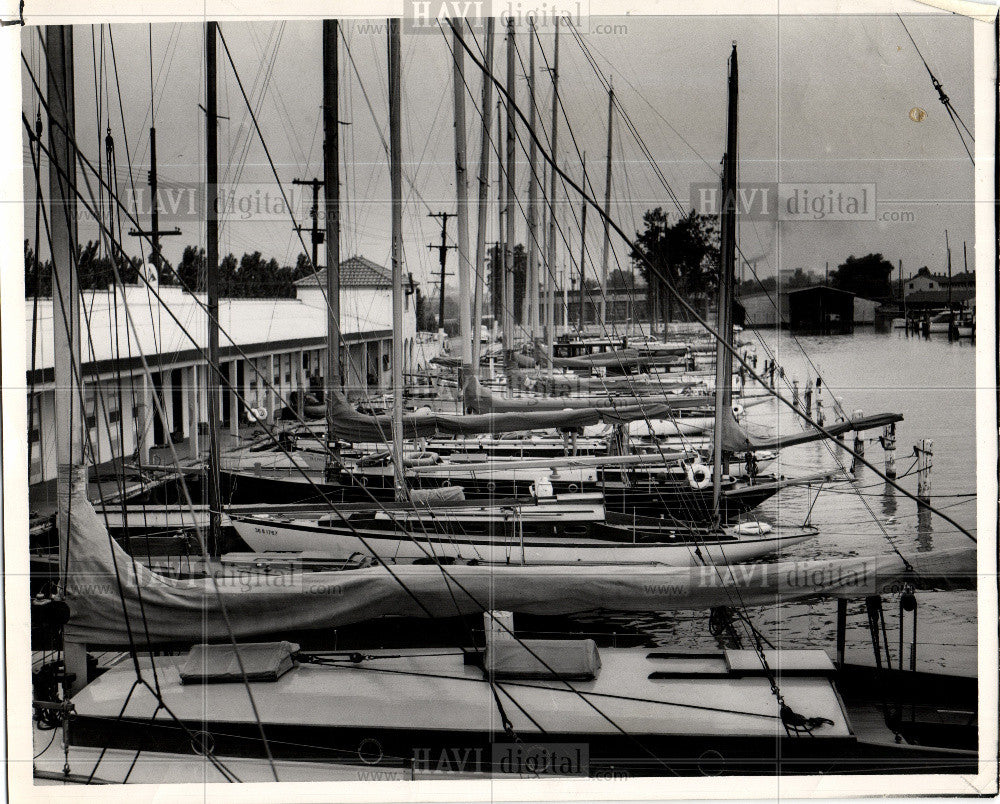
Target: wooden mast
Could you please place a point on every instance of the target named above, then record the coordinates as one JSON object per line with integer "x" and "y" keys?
{"x": 551, "y": 257}
{"x": 396, "y": 180}
{"x": 461, "y": 200}
{"x": 484, "y": 189}
{"x": 68, "y": 417}
{"x": 532, "y": 267}
{"x": 331, "y": 200}
{"x": 606, "y": 253}
{"x": 509, "y": 200}
{"x": 727, "y": 260}
{"x": 583, "y": 253}
{"x": 212, "y": 285}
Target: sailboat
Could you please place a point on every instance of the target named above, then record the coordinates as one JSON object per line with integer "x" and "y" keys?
{"x": 197, "y": 698}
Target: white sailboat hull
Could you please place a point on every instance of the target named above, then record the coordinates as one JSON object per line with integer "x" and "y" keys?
{"x": 269, "y": 535}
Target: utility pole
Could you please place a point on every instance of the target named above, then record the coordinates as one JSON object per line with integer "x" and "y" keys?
{"x": 155, "y": 233}
{"x": 442, "y": 257}
{"x": 317, "y": 233}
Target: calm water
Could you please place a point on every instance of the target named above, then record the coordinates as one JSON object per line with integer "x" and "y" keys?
{"x": 932, "y": 383}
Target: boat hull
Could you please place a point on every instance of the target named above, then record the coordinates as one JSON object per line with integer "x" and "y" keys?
{"x": 506, "y": 546}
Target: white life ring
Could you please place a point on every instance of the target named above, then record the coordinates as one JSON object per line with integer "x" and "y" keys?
{"x": 699, "y": 475}
{"x": 737, "y": 410}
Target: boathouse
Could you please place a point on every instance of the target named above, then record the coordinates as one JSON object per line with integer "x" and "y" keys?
{"x": 821, "y": 309}
{"x": 278, "y": 341}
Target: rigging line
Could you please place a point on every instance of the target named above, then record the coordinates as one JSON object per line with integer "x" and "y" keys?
{"x": 77, "y": 372}
{"x": 158, "y": 403}
{"x": 222, "y": 607}
{"x": 631, "y": 126}
{"x": 691, "y": 510}
{"x": 939, "y": 87}
{"x": 121, "y": 110}
{"x": 696, "y": 317}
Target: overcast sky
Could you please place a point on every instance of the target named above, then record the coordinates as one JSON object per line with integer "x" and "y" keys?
{"x": 822, "y": 99}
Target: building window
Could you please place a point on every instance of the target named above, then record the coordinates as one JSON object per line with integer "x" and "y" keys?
{"x": 930, "y": 285}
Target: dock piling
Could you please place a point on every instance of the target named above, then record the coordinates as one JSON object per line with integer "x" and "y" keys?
{"x": 925, "y": 455}
{"x": 889, "y": 446}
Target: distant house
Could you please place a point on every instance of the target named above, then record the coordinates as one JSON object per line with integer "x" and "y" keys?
{"x": 926, "y": 282}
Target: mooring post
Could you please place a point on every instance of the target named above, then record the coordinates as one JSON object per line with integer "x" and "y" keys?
{"x": 841, "y": 630}
{"x": 809, "y": 399}
{"x": 795, "y": 393}
{"x": 889, "y": 446}
{"x": 859, "y": 439}
{"x": 925, "y": 454}
{"x": 819, "y": 412}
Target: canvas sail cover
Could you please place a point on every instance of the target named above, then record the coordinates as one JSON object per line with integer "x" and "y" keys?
{"x": 626, "y": 408}
{"x": 736, "y": 439}
{"x": 116, "y": 602}
{"x": 350, "y": 425}
{"x": 617, "y": 359}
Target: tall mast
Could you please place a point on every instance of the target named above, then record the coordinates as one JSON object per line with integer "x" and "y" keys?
{"x": 509, "y": 201}
{"x": 396, "y": 180}
{"x": 583, "y": 252}
{"x": 499, "y": 269}
{"x": 532, "y": 271}
{"x": 947, "y": 247}
{"x": 551, "y": 257}
{"x": 605, "y": 255}
{"x": 331, "y": 199}
{"x": 723, "y": 355}
{"x": 69, "y": 421}
{"x": 212, "y": 284}
{"x": 484, "y": 188}
{"x": 462, "y": 200}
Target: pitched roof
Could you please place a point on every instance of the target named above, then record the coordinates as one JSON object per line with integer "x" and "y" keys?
{"x": 355, "y": 272}
{"x": 964, "y": 278}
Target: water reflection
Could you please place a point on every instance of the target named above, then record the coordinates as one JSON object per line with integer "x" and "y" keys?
{"x": 925, "y": 528}
{"x": 889, "y": 503}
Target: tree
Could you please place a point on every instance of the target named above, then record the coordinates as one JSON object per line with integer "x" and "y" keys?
{"x": 686, "y": 253}
{"x": 621, "y": 280}
{"x": 37, "y": 274}
{"x": 866, "y": 276}
{"x": 495, "y": 267}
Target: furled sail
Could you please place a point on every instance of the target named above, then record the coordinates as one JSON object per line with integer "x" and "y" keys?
{"x": 736, "y": 439}
{"x": 350, "y": 425}
{"x": 115, "y": 601}
{"x": 618, "y": 359}
{"x": 480, "y": 400}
